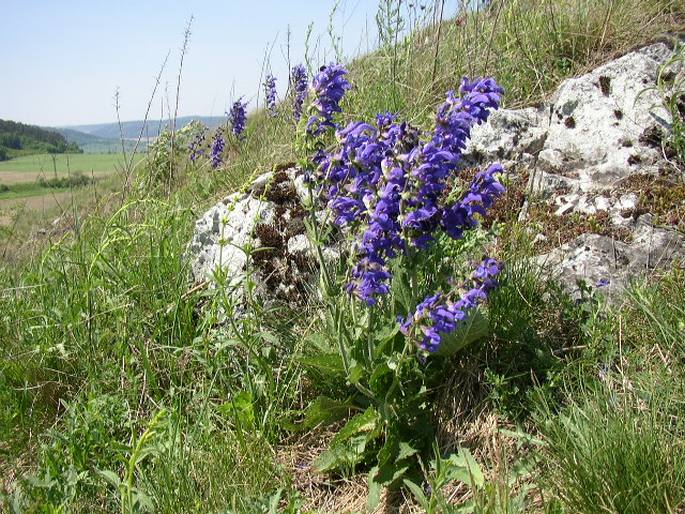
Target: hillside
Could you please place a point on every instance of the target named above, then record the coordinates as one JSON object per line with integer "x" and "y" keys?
{"x": 443, "y": 277}
{"x": 20, "y": 139}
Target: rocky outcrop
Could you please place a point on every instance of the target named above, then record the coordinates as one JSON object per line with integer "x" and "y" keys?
{"x": 603, "y": 262}
{"x": 594, "y": 152}
{"x": 260, "y": 232}
{"x": 595, "y": 161}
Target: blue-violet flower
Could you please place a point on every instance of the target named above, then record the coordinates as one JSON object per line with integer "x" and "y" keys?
{"x": 195, "y": 149}
{"x": 270, "y": 94}
{"x": 329, "y": 87}
{"x": 298, "y": 81}
{"x": 238, "y": 117}
{"x": 217, "y": 148}
{"x": 392, "y": 184}
{"x": 438, "y": 315}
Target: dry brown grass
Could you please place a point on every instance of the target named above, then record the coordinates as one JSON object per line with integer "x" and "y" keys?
{"x": 482, "y": 433}
{"x": 464, "y": 420}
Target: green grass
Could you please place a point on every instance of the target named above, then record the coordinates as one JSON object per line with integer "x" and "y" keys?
{"x": 609, "y": 454}
{"x": 619, "y": 442}
{"x": 124, "y": 390}
{"x": 23, "y": 190}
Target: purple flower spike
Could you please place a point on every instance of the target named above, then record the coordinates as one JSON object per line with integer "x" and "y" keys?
{"x": 238, "y": 118}
{"x": 298, "y": 81}
{"x": 389, "y": 186}
{"x": 438, "y": 316}
{"x": 484, "y": 190}
{"x": 218, "y": 144}
{"x": 270, "y": 94}
{"x": 329, "y": 87}
{"x": 195, "y": 146}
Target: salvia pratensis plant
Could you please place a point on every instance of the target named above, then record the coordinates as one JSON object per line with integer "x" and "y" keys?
{"x": 391, "y": 184}
{"x": 390, "y": 188}
{"x": 195, "y": 147}
{"x": 270, "y": 94}
{"x": 237, "y": 117}
{"x": 298, "y": 82}
{"x": 329, "y": 87}
{"x": 217, "y": 148}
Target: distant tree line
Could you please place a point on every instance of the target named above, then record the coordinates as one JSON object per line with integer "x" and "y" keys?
{"x": 20, "y": 139}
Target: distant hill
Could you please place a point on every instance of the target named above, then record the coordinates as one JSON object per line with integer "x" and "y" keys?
{"x": 20, "y": 139}
{"x": 76, "y": 136}
{"x": 131, "y": 129}
{"x": 90, "y": 143}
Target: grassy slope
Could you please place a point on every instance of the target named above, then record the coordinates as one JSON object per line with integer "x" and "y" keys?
{"x": 101, "y": 344}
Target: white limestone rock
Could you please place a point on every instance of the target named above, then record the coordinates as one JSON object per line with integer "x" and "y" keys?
{"x": 222, "y": 234}
{"x": 594, "y": 259}
{"x": 508, "y": 135}
{"x": 266, "y": 224}
{"x": 594, "y": 137}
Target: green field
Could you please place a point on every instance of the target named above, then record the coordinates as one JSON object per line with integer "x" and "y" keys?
{"x": 19, "y": 176}
{"x": 23, "y": 190}
{"x": 63, "y": 163}
{"x": 21, "y": 187}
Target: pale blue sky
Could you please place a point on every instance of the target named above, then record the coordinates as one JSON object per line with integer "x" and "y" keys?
{"x": 62, "y": 61}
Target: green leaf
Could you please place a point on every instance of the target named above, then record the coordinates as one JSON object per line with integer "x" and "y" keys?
{"x": 342, "y": 455}
{"x": 401, "y": 290}
{"x": 240, "y": 408}
{"x": 349, "y": 444}
{"x": 374, "y": 491}
{"x": 364, "y": 422}
{"x": 318, "y": 341}
{"x": 380, "y": 476}
{"x": 418, "y": 494}
{"x": 476, "y": 327}
{"x": 143, "y": 500}
{"x": 392, "y": 459}
{"x": 110, "y": 477}
{"x": 274, "y": 501}
{"x": 356, "y": 372}
{"x": 380, "y": 379}
{"x": 361, "y": 326}
{"x": 329, "y": 460}
{"x": 388, "y": 331}
{"x": 405, "y": 451}
{"x": 464, "y": 468}
{"x": 324, "y": 410}
{"x": 330, "y": 364}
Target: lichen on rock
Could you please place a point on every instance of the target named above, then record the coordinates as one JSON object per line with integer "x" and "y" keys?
{"x": 262, "y": 232}
{"x": 599, "y": 185}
